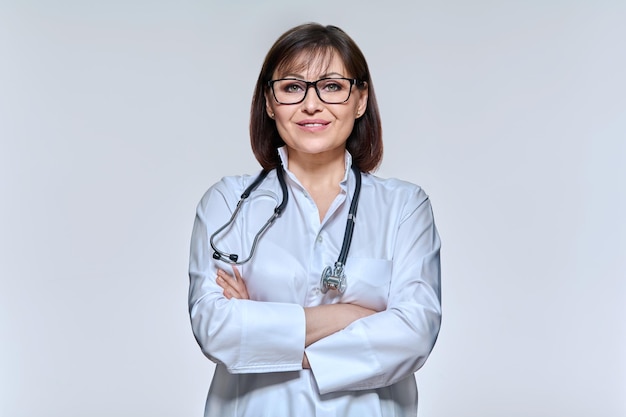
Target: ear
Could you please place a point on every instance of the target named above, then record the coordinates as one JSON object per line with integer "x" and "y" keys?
{"x": 268, "y": 106}
{"x": 362, "y": 102}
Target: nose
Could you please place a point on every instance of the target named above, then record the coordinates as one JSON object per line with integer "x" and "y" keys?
{"x": 311, "y": 102}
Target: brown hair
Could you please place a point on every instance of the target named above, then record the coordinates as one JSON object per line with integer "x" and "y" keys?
{"x": 365, "y": 141}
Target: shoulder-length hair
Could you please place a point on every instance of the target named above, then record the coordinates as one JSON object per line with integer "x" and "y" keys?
{"x": 316, "y": 42}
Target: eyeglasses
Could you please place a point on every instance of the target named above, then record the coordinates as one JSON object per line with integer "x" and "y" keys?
{"x": 329, "y": 90}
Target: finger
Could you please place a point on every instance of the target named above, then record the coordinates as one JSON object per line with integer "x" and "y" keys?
{"x": 235, "y": 283}
{"x": 227, "y": 279}
{"x": 236, "y": 272}
{"x": 222, "y": 282}
{"x": 229, "y": 292}
{"x": 226, "y": 283}
{"x": 243, "y": 290}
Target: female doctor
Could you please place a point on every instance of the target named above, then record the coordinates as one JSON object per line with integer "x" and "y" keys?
{"x": 329, "y": 307}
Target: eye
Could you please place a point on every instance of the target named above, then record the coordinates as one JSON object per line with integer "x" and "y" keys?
{"x": 291, "y": 86}
{"x": 331, "y": 85}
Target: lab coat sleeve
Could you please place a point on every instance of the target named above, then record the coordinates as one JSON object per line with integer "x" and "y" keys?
{"x": 388, "y": 346}
{"x": 246, "y": 336}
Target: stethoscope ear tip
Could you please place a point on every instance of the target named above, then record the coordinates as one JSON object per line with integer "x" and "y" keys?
{"x": 232, "y": 257}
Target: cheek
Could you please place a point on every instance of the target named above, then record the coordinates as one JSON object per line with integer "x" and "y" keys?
{"x": 282, "y": 124}
{"x": 348, "y": 120}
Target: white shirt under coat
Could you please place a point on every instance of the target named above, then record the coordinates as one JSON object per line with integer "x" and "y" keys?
{"x": 258, "y": 344}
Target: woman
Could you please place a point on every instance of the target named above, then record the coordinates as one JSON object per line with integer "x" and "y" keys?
{"x": 291, "y": 336}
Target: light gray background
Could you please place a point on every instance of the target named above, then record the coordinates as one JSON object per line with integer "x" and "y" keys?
{"x": 115, "y": 116}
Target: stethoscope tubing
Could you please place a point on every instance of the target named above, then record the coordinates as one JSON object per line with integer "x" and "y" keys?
{"x": 233, "y": 259}
{"x": 347, "y": 236}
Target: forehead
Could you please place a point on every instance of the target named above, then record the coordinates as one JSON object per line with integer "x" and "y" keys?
{"x": 312, "y": 64}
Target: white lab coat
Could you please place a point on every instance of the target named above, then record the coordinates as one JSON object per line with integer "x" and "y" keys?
{"x": 258, "y": 344}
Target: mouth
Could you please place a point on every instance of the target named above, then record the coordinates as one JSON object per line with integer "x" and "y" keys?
{"x": 313, "y": 123}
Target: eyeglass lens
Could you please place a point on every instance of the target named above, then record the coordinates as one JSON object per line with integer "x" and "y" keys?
{"x": 329, "y": 90}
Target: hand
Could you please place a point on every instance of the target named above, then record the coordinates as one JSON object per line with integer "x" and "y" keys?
{"x": 234, "y": 286}
{"x": 326, "y": 319}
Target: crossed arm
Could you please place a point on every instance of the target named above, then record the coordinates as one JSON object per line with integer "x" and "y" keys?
{"x": 321, "y": 321}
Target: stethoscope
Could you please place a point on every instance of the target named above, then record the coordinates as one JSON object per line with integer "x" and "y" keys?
{"x": 333, "y": 278}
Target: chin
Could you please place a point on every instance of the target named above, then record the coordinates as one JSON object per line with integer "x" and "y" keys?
{"x": 320, "y": 149}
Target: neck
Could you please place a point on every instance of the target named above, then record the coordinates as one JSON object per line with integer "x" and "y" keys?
{"x": 320, "y": 175}
{"x": 318, "y": 172}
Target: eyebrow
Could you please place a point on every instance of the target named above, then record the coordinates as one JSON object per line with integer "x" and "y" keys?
{"x": 327, "y": 75}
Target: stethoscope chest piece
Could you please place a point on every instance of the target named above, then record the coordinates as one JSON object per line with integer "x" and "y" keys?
{"x": 333, "y": 279}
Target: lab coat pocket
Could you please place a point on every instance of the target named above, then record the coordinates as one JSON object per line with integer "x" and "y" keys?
{"x": 368, "y": 282}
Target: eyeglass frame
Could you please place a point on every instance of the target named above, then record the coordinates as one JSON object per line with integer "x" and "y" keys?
{"x": 309, "y": 84}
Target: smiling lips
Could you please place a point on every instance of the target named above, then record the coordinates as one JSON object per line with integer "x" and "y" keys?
{"x": 313, "y": 124}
